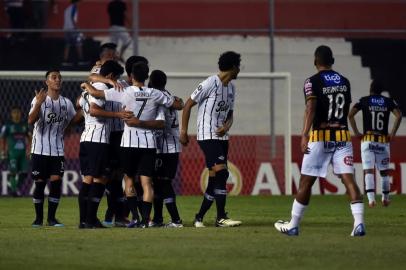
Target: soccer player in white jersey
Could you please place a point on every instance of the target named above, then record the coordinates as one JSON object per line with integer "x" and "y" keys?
{"x": 167, "y": 159}
{"x": 50, "y": 113}
{"x": 215, "y": 99}
{"x": 328, "y": 98}
{"x": 375, "y": 144}
{"x": 94, "y": 147}
{"x": 138, "y": 143}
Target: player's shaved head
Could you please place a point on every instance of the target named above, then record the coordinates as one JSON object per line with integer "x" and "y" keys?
{"x": 377, "y": 87}
{"x": 323, "y": 56}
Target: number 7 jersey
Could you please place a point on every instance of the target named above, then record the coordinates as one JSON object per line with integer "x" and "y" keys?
{"x": 333, "y": 94}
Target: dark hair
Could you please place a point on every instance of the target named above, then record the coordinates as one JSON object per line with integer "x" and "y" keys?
{"x": 111, "y": 66}
{"x": 324, "y": 56}
{"x": 107, "y": 46}
{"x": 157, "y": 79}
{"x": 133, "y": 60}
{"x": 377, "y": 87}
{"x": 140, "y": 71}
{"x": 228, "y": 60}
{"x": 50, "y": 71}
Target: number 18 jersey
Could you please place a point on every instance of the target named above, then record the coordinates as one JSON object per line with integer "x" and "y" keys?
{"x": 333, "y": 93}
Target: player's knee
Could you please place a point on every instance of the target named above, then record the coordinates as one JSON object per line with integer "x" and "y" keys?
{"x": 221, "y": 179}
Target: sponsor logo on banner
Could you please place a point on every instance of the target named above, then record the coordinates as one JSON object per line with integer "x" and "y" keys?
{"x": 234, "y": 181}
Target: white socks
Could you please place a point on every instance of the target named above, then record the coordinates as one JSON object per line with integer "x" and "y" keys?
{"x": 385, "y": 188}
{"x": 370, "y": 187}
{"x": 297, "y": 213}
{"x": 357, "y": 210}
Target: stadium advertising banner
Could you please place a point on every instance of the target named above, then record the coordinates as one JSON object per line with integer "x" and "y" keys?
{"x": 252, "y": 170}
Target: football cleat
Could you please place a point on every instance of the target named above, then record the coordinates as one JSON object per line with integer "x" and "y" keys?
{"x": 133, "y": 224}
{"x": 227, "y": 222}
{"x": 371, "y": 204}
{"x": 36, "y": 224}
{"x": 155, "y": 224}
{"x": 121, "y": 223}
{"x": 198, "y": 222}
{"x": 283, "y": 227}
{"x": 108, "y": 224}
{"x": 174, "y": 224}
{"x": 359, "y": 230}
{"x": 54, "y": 223}
{"x": 385, "y": 203}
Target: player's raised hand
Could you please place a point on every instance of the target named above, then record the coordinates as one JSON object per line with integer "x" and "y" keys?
{"x": 41, "y": 95}
{"x": 184, "y": 138}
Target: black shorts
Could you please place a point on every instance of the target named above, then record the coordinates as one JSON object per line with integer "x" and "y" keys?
{"x": 93, "y": 159}
{"x": 139, "y": 161}
{"x": 215, "y": 151}
{"x": 166, "y": 165}
{"x": 115, "y": 150}
{"x": 45, "y": 166}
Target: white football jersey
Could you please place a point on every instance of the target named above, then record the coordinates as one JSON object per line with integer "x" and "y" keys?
{"x": 54, "y": 117}
{"x": 97, "y": 129}
{"x": 214, "y": 102}
{"x": 167, "y": 140}
{"x": 116, "y": 124}
{"x": 144, "y": 102}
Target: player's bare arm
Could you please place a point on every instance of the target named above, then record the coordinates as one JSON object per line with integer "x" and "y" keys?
{"x": 151, "y": 124}
{"x": 97, "y": 111}
{"x": 221, "y": 131}
{"x": 353, "y": 124}
{"x": 92, "y": 91}
{"x": 40, "y": 96}
{"x": 396, "y": 124}
{"x": 307, "y": 123}
{"x": 99, "y": 78}
{"x": 184, "y": 139}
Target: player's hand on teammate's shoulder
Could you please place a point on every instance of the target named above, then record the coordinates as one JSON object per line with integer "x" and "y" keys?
{"x": 84, "y": 85}
{"x": 184, "y": 138}
{"x": 178, "y": 103}
{"x": 116, "y": 85}
{"x": 41, "y": 95}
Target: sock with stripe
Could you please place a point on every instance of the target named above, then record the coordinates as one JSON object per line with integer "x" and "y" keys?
{"x": 370, "y": 187}
{"x": 82, "y": 200}
{"x": 170, "y": 200}
{"x": 220, "y": 192}
{"x": 95, "y": 195}
{"x": 208, "y": 198}
{"x": 38, "y": 199}
{"x": 54, "y": 197}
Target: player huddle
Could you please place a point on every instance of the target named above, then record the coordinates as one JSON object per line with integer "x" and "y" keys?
{"x": 131, "y": 132}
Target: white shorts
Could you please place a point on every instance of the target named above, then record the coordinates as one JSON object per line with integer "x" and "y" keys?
{"x": 375, "y": 154}
{"x": 119, "y": 34}
{"x": 339, "y": 154}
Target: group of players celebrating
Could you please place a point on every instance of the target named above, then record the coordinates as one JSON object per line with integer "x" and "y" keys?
{"x": 132, "y": 132}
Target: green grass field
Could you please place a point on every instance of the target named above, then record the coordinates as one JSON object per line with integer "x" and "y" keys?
{"x": 324, "y": 241}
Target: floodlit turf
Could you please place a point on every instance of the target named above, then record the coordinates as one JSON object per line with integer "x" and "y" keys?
{"x": 324, "y": 241}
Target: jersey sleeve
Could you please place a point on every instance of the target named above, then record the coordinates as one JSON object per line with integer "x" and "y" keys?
{"x": 98, "y": 101}
{"x": 160, "y": 114}
{"x": 202, "y": 91}
{"x": 232, "y": 98}
{"x": 309, "y": 90}
{"x": 114, "y": 95}
{"x": 393, "y": 105}
{"x": 358, "y": 105}
{"x": 163, "y": 99}
{"x": 34, "y": 100}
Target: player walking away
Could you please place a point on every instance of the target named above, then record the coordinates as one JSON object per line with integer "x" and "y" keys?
{"x": 94, "y": 147}
{"x": 15, "y": 137}
{"x": 375, "y": 149}
{"x": 215, "y": 99}
{"x": 118, "y": 33}
{"x": 167, "y": 159}
{"x": 50, "y": 113}
{"x": 328, "y": 98}
{"x": 138, "y": 143}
